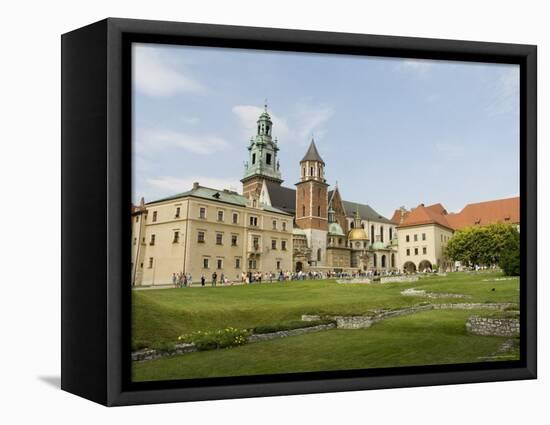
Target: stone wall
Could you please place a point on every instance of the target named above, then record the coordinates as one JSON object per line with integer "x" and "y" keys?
{"x": 490, "y": 326}
{"x": 293, "y": 332}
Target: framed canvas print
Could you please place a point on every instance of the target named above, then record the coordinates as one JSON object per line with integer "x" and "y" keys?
{"x": 253, "y": 212}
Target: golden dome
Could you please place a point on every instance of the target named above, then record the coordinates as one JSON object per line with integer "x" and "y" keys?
{"x": 358, "y": 234}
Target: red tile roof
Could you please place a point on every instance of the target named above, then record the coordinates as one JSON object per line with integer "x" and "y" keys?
{"x": 481, "y": 213}
{"x": 421, "y": 215}
{"x": 484, "y": 213}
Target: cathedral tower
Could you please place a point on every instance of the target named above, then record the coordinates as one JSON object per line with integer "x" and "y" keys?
{"x": 262, "y": 161}
{"x": 312, "y": 203}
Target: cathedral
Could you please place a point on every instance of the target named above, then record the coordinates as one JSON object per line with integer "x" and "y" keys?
{"x": 329, "y": 233}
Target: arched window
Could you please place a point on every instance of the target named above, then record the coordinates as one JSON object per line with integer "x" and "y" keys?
{"x": 319, "y": 254}
{"x": 393, "y": 260}
{"x": 381, "y": 233}
{"x": 311, "y": 171}
{"x": 383, "y": 261}
{"x": 319, "y": 211}
{"x": 374, "y": 259}
{"x": 372, "y": 238}
{"x": 303, "y": 210}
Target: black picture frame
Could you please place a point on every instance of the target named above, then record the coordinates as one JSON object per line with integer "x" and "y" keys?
{"x": 96, "y": 155}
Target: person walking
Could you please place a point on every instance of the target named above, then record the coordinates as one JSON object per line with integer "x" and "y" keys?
{"x": 214, "y": 278}
{"x": 202, "y": 280}
{"x": 222, "y": 279}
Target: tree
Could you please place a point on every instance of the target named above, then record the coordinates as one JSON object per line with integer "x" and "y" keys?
{"x": 509, "y": 260}
{"x": 483, "y": 246}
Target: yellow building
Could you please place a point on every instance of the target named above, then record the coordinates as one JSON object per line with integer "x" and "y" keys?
{"x": 205, "y": 230}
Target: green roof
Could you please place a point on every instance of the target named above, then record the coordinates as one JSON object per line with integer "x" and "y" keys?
{"x": 378, "y": 245}
{"x": 225, "y": 196}
{"x": 335, "y": 229}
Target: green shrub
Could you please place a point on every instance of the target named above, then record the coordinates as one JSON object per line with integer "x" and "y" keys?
{"x": 287, "y": 326}
{"x": 140, "y": 345}
{"x": 211, "y": 340}
{"x": 509, "y": 260}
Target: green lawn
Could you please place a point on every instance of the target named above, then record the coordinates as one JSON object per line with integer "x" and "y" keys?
{"x": 432, "y": 337}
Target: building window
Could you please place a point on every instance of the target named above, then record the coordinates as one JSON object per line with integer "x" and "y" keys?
{"x": 352, "y": 225}
{"x": 303, "y": 210}
{"x": 154, "y": 216}
{"x": 233, "y": 240}
{"x": 177, "y": 212}
{"x": 205, "y": 263}
{"x": 219, "y": 238}
{"x": 202, "y": 212}
{"x": 391, "y": 233}
{"x": 200, "y": 237}
{"x": 374, "y": 258}
{"x": 143, "y": 240}
{"x": 253, "y": 221}
{"x": 237, "y": 263}
{"x": 311, "y": 171}
{"x": 268, "y": 158}
{"x": 150, "y": 262}
{"x": 407, "y": 238}
{"x": 415, "y": 237}
{"x": 364, "y": 245}
{"x": 253, "y": 158}
{"x": 274, "y": 224}
{"x": 381, "y": 233}
{"x": 235, "y": 218}
{"x": 416, "y": 251}
{"x": 278, "y": 265}
{"x": 220, "y": 215}
{"x": 220, "y": 263}
{"x": 141, "y": 265}
{"x": 284, "y": 226}
{"x": 152, "y": 241}
{"x": 273, "y": 244}
{"x": 303, "y": 171}
{"x": 256, "y": 242}
{"x": 137, "y": 218}
{"x": 319, "y": 254}
{"x": 372, "y": 238}
{"x": 424, "y": 250}
{"x": 423, "y": 236}
{"x": 283, "y": 245}
{"x": 176, "y": 236}
{"x": 408, "y": 252}
{"x": 319, "y": 211}
{"x": 252, "y": 264}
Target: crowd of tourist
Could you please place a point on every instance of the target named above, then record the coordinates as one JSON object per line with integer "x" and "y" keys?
{"x": 183, "y": 280}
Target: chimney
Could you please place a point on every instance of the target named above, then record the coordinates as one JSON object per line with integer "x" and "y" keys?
{"x": 195, "y": 185}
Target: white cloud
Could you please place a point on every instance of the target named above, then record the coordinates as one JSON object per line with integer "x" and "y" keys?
{"x": 171, "y": 185}
{"x": 506, "y": 93}
{"x": 304, "y": 121}
{"x": 248, "y": 115}
{"x": 418, "y": 67}
{"x": 154, "y": 77}
{"x": 154, "y": 139}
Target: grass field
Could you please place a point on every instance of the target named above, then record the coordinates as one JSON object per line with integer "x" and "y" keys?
{"x": 432, "y": 337}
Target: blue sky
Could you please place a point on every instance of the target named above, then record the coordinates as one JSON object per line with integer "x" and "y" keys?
{"x": 392, "y": 132}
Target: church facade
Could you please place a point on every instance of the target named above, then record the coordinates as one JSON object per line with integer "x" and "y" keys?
{"x": 329, "y": 233}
